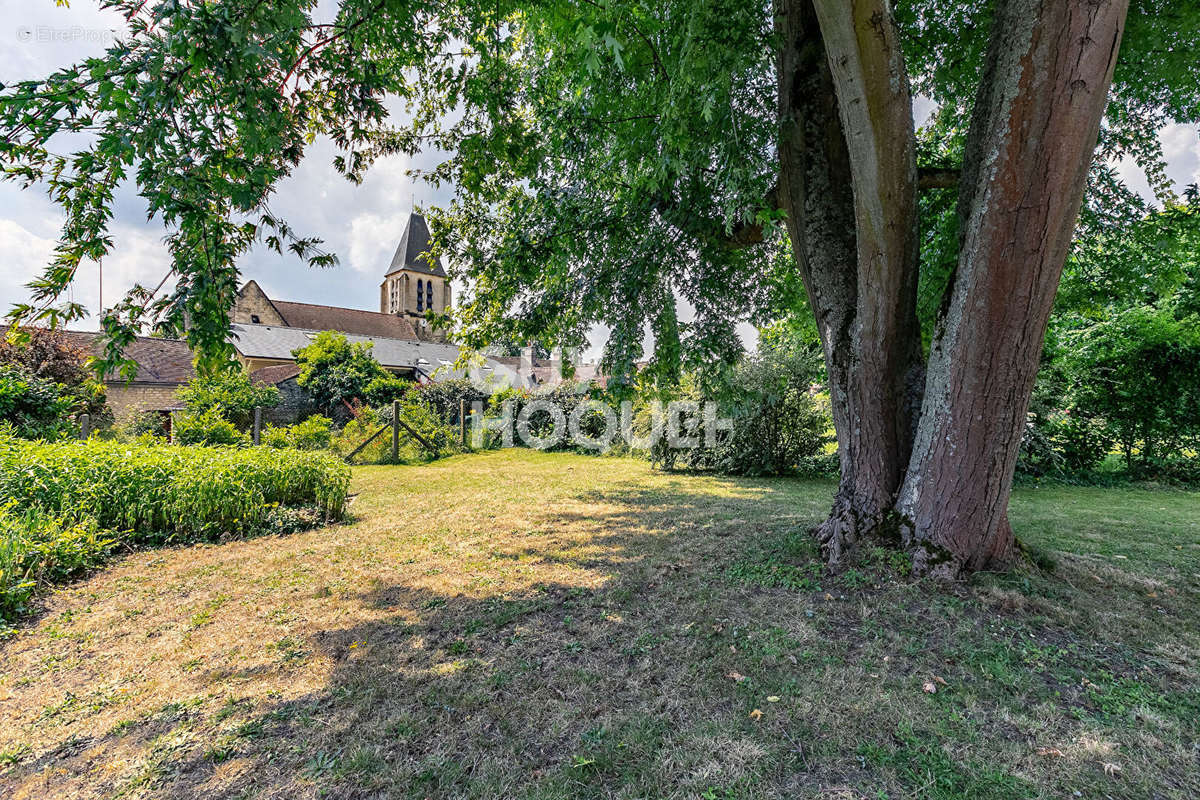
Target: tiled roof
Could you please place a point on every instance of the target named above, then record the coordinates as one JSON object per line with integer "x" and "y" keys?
{"x": 347, "y": 320}
{"x": 275, "y": 342}
{"x": 413, "y": 252}
{"x": 275, "y": 375}
{"x": 162, "y": 361}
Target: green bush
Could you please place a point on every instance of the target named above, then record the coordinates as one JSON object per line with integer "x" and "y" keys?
{"x": 1064, "y": 444}
{"x": 34, "y": 407}
{"x": 163, "y": 492}
{"x": 444, "y": 397}
{"x": 335, "y": 371}
{"x": 230, "y": 394}
{"x": 314, "y": 433}
{"x": 778, "y": 426}
{"x": 1140, "y": 372}
{"x": 1082, "y": 441}
{"x": 37, "y": 550}
{"x": 149, "y": 423}
{"x": 207, "y": 427}
{"x": 383, "y": 390}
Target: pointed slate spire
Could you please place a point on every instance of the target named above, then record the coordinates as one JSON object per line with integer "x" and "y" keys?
{"x": 412, "y": 254}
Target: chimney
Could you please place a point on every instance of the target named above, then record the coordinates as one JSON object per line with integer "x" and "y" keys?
{"x": 526, "y": 369}
{"x": 556, "y": 362}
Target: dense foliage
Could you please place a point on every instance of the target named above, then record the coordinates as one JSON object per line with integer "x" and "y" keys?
{"x": 45, "y": 383}
{"x": 230, "y": 393}
{"x": 160, "y": 492}
{"x": 38, "y": 550}
{"x": 207, "y": 427}
{"x": 1121, "y": 370}
{"x": 446, "y": 397}
{"x": 608, "y": 157}
{"x": 335, "y": 371}
{"x": 33, "y": 407}
{"x": 775, "y": 423}
{"x": 314, "y": 433}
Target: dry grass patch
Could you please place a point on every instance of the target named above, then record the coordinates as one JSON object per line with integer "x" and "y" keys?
{"x": 524, "y": 625}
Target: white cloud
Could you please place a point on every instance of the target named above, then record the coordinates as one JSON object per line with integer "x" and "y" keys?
{"x": 25, "y": 256}
{"x": 373, "y": 239}
{"x": 1181, "y": 148}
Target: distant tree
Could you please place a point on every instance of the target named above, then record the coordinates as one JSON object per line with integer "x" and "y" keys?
{"x": 1140, "y": 372}
{"x": 335, "y": 371}
{"x": 51, "y": 356}
{"x": 48, "y": 354}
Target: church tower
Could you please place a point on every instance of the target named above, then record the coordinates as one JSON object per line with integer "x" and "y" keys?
{"x": 415, "y": 281}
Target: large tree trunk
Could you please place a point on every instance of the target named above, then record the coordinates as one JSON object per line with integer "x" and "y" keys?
{"x": 879, "y": 354}
{"x": 861, "y": 290}
{"x": 1043, "y": 91}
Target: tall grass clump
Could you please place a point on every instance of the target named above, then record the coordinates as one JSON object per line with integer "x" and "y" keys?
{"x": 37, "y": 550}
{"x": 167, "y": 493}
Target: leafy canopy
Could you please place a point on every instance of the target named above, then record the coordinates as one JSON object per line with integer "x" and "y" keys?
{"x": 612, "y": 159}
{"x": 335, "y": 371}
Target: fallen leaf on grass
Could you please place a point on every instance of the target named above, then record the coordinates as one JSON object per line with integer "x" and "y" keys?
{"x": 1050, "y": 751}
{"x": 773, "y": 698}
{"x": 939, "y": 680}
{"x": 755, "y": 714}
{"x": 736, "y": 676}
{"x": 1112, "y": 770}
{"x": 929, "y": 687}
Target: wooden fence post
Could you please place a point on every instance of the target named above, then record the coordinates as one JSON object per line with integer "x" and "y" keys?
{"x": 395, "y": 431}
{"x": 85, "y": 426}
{"x": 257, "y": 425}
{"x": 462, "y": 421}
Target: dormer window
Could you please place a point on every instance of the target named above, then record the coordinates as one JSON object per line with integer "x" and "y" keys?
{"x": 254, "y": 319}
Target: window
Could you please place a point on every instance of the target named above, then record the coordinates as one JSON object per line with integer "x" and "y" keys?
{"x": 420, "y": 295}
{"x": 429, "y": 295}
{"x": 254, "y": 318}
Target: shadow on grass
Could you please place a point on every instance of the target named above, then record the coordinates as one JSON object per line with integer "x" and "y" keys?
{"x": 632, "y": 664}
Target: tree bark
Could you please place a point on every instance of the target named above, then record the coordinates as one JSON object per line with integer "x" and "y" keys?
{"x": 864, "y": 296}
{"x": 814, "y": 190}
{"x": 1034, "y": 128}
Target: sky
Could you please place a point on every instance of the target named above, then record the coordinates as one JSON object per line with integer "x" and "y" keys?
{"x": 361, "y": 224}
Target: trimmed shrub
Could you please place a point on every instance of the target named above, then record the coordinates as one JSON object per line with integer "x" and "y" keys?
{"x": 163, "y": 492}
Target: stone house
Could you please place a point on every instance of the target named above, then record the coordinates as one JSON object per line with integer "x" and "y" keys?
{"x": 163, "y": 365}
{"x": 267, "y": 331}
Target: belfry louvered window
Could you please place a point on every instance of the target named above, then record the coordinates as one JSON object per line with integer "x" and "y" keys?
{"x": 420, "y": 295}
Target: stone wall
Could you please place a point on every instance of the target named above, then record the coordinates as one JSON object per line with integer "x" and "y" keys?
{"x": 295, "y": 405}
{"x": 128, "y": 400}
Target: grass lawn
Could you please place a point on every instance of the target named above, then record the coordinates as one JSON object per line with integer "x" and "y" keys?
{"x": 525, "y": 625}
